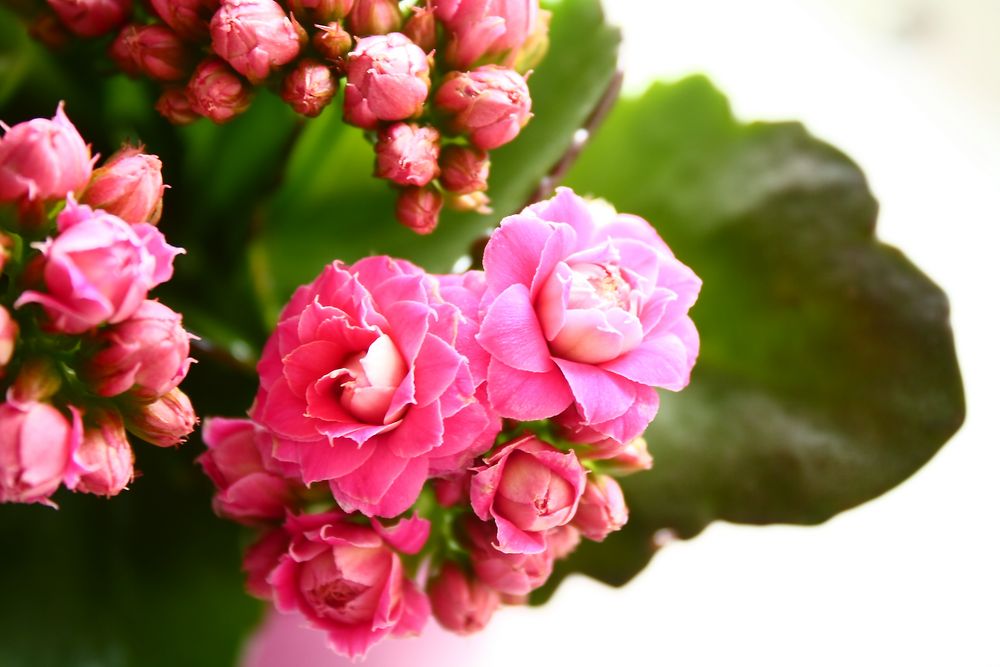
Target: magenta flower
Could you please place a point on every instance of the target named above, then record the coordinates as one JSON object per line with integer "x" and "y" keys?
{"x": 188, "y": 18}
{"x": 587, "y": 311}
{"x": 216, "y": 92}
{"x": 486, "y": 29}
{"x": 361, "y": 385}
{"x": 490, "y": 104}
{"x": 254, "y": 37}
{"x": 602, "y": 508}
{"x": 461, "y": 603}
{"x": 155, "y": 51}
{"x": 37, "y": 451}
{"x": 129, "y": 185}
{"x": 91, "y": 18}
{"x": 388, "y": 78}
{"x": 407, "y": 153}
{"x": 105, "y": 455}
{"x": 309, "y": 87}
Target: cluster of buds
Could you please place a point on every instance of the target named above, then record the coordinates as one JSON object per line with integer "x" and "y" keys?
{"x": 432, "y": 444}
{"x": 85, "y": 355}
{"x": 438, "y": 84}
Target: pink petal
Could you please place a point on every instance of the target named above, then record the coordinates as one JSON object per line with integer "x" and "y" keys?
{"x": 420, "y": 431}
{"x": 661, "y": 362}
{"x": 511, "y": 333}
{"x": 511, "y": 257}
{"x": 408, "y": 535}
{"x": 513, "y": 540}
{"x": 434, "y": 370}
{"x": 320, "y": 460}
{"x": 524, "y": 395}
{"x": 284, "y": 413}
{"x": 600, "y": 395}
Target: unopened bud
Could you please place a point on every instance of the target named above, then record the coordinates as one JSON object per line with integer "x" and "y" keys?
{"x": 461, "y": 603}
{"x": 388, "y": 78}
{"x": 151, "y": 50}
{"x": 407, "y": 154}
{"x": 321, "y": 11}
{"x": 47, "y": 29}
{"x": 165, "y": 422}
{"x": 129, "y": 185}
{"x": 422, "y": 28}
{"x": 37, "y": 380}
{"x": 464, "y": 169}
{"x": 8, "y": 337}
{"x": 485, "y": 30}
{"x": 451, "y": 491}
{"x": 91, "y": 18}
{"x": 490, "y": 104}
{"x": 309, "y": 87}
{"x": 333, "y": 43}
{"x": 188, "y": 18}
{"x": 254, "y": 36}
{"x": 419, "y": 208}
{"x": 374, "y": 17}
{"x": 216, "y": 92}
{"x": 105, "y": 455}
{"x": 602, "y": 508}
{"x": 536, "y": 46}
{"x": 175, "y": 106}
{"x": 473, "y": 201}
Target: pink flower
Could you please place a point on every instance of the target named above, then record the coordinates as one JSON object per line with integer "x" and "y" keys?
{"x": 421, "y": 28}
{"x": 98, "y": 269}
{"x": 91, "y": 18}
{"x": 513, "y": 574}
{"x": 348, "y": 580}
{"x": 586, "y": 310}
{"x": 465, "y": 291}
{"x": 8, "y": 337}
{"x": 216, "y": 92}
{"x": 129, "y": 185}
{"x": 461, "y": 603}
{"x": 388, "y": 78}
{"x": 602, "y": 508}
{"x": 321, "y": 11}
{"x": 528, "y": 488}
{"x": 235, "y": 461}
{"x": 361, "y": 385}
{"x": 155, "y": 51}
{"x": 407, "y": 153}
{"x": 374, "y": 17}
{"x": 174, "y": 105}
{"x": 188, "y": 18}
{"x": 617, "y": 458}
{"x": 254, "y": 36}
{"x": 165, "y": 422}
{"x": 486, "y": 29}
{"x": 490, "y": 104}
{"x": 105, "y": 455}
{"x": 419, "y": 208}
{"x": 37, "y": 449}
{"x": 309, "y": 88}
{"x": 464, "y": 169}
{"x": 43, "y": 159}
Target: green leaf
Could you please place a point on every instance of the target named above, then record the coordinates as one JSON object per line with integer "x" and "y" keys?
{"x": 827, "y": 373}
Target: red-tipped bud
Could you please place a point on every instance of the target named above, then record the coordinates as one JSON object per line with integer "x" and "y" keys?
{"x": 464, "y": 169}
{"x": 309, "y": 87}
{"x": 388, "y": 78}
{"x": 254, "y": 36}
{"x": 321, "y": 11}
{"x": 216, "y": 92}
{"x": 8, "y": 337}
{"x": 37, "y": 380}
{"x": 407, "y": 154}
{"x": 375, "y": 17}
{"x": 419, "y": 208}
{"x": 105, "y": 455}
{"x": 422, "y": 28}
{"x": 91, "y": 18}
{"x": 602, "y": 508}
{"x": 490, "y": 104}
{"x": 165, "y": 422}
{"x": 151, "y": 50}
{"x": 188, "y": 18}
{"x": 333, "y": 43}
{"x": 175, "y": 105}
{"x": 461, "y": 603}
{"x": 129, "y": 185}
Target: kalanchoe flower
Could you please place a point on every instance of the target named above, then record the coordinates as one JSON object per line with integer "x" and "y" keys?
{"x": 461, "y": 603}
{"x": 562, "y": 541}
{"x": 333, "y": 43}
{"x": 8, "y": 337}
{"x": 98, "y": 269}
{"x": 527, "y": 488}
{"x": 188, "y": 18}
{"x": 374, "y": 17}
{"x": 347, "y": 579}
{"x": 105, "y": 455}
{"x": 464, "y": 169}
{"x": 419, "y": 208}
{"x": 533, "y": 51}
{"x": 388, "y": 78}
{"x": 38, "y": 379}
{"x": 43, "y": 159}
{"x": 91, "y": 18}
{"x": 254, "y": 36}
{"x": 174, "y": 105}
{"x": 37, "y": 448}
{"x": 474, "y": 201}
{"x": 490, "y": 104}
{"x": 614, "y": 457}
{"x": 513, "y": 574}
{"x": 587, "y": 310}
{"x": 235, "y": 461}
{"x": 321, "y": 11}
{"x": 216, "y": 92}
{"x": 146, "y": 354}
{"x": 165, "y": 422}
{"x": 602, "y": 508}
{"x": 407, "y": 153}
{"x": 453, "y": 490}
{"x": 129, "y": 185}
{"x": 486, "y": 29}
{"x": 154, "y": 51}
{"x": 309, "y": 87}
{"x": 421, "y": 28}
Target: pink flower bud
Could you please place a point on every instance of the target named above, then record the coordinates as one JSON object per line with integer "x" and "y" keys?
{"x": 461, "y": 603}
{"x": 562, "y": 541}
{"x": 309, "y": 87}
{"x": 374, "y": 17}
{"x": 37, "y": 445}
{"x": 188, "y": 18}
{"x": 388, "y": 78}
{"x": 602, "y": 508}
{"x": 490, "y": 104}
{"x": 474, "y": 201}
{"x": 47, "y": 29}
{"x": 43, "y": 160}
{"x": 8, "y": 337}
{"x": 216, "y": 92}
{"x": 464, "y": 169}
{"x": 513, "y": 574}
{"x": 533, "y": 50}
{"x": 321, "y": 11}
{"x": 254, "y": 36}
{"x": 247, "y": 491}
{"x": 91, "y": 18}
{"x": 407, "y": 153}
{"x": 421, "y": 28}
{"x": 527, "y": 488}
{"x": 105, "y": 455}
{"x": 261, "y": 558}
{"x": 451, "y": 491}
{"x": 155, "y": 51}
{"x": 129, "y": 185}
{"x": 486, "y": 29}
{"x": 333, "y": 43}
{"x": 38, "y": 379}
{"x": 166, "y": 422}
{"x": 175, "y": 106}
{"x": 419, "y": 208}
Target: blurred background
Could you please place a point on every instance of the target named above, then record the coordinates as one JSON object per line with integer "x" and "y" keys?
{"x": 910, "y": 89}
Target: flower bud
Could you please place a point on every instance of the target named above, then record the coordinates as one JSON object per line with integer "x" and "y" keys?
{"x": 8, "y": 337}
{"x": 260, "y": 558}
{"x": 531, "y": 53}
{"x": 321, "y": 11}
{"x": 474, "y": 201}
{"x": 43, "y": 159}
{"x": 188, "y": 18}
{"x": 419, "y": 208}
{"x": 333, "y": 43}
{"x": 461, "y": 603}
{"x": 129, "y": 185}
{"x": 309, "y": 88}
{"x": 165, "y": 422}
{"x": 451, "y": 491}
{"x": 512, "y": 574}
{"x": 486, "y": 30}
{"x": 388, "y": 78}
{"x": 175, "y": 106}
{"x": 421, "y": 28}
{"x": 374, "y": 17}
{"x": 562, "y": 541}
{"x": 464, "y": 169}
{"x": 47, "y": 29}
{"x": 38, "y": 379}
{"x": 105, "y": 455}
{"x": 490, "y": 104}
{"x": 254, "y": 37}
{"x": 91, "y": 18}
{"x": 216, "y": 92}
{"x": 37, "y": 445}
{"x": 151, "y": 50}
{"x": 407, "y": 154}
{"x": 602, "y": 508}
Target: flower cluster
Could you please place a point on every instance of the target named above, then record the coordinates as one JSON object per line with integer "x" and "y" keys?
{"x": 85, "y": 355}
{"x": 438, "y": 84}
{"x": 434, "y": 443}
